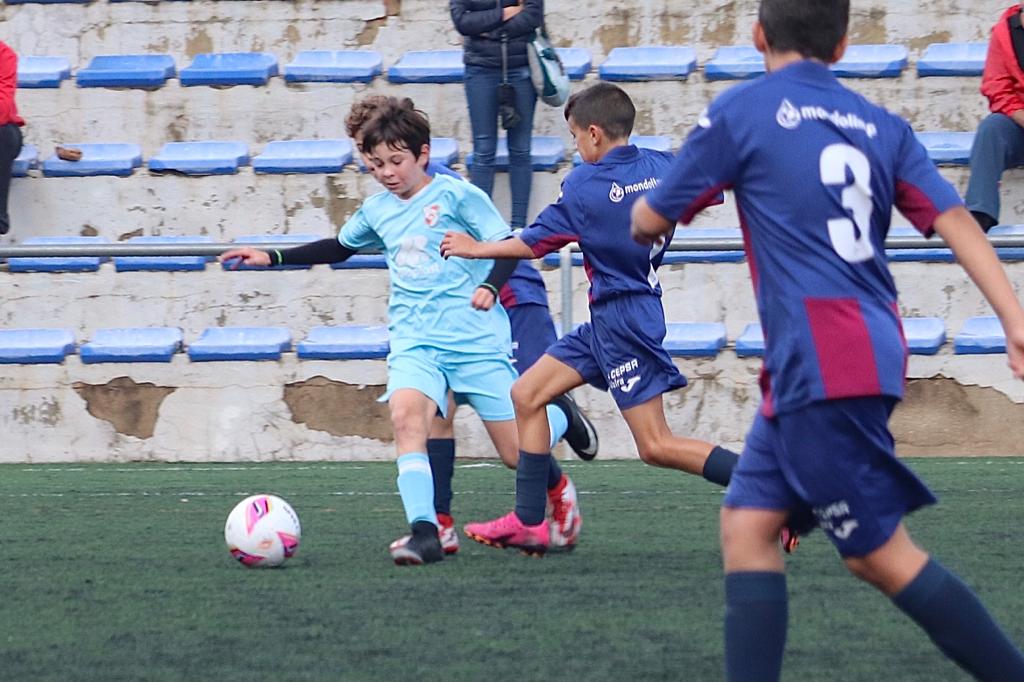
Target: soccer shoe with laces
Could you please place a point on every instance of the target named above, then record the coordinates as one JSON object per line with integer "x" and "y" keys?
{"x": 580, "y": 435}
{"x": 422, "y": 547}
{"x": 509, "y": 531}
{"x": 564, "y": 515}
{"x": 446, "y": 533}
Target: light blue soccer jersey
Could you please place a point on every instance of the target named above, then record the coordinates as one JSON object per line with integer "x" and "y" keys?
{"x": 430, "y": 296}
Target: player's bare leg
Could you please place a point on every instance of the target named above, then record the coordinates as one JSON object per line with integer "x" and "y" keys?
{"x": 658, "y": 446}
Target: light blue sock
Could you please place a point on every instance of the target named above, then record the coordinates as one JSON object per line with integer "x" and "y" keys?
{"x": 557, "y": 422}
{"x": 416, "y": 486}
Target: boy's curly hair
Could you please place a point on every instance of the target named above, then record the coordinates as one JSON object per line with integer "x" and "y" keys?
{"x": 365, "y": 109}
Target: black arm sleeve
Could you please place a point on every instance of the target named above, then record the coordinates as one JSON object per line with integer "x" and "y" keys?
{"x": 500, "y": 273}
{"x": 321, "y": 251}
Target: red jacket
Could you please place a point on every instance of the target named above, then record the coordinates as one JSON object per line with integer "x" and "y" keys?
{"x": 1002, "y": 82}
{"x": 8, "y": 84}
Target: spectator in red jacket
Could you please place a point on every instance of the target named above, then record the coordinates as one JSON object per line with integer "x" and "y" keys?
{"x": 999, "y": 141}
{"x": 10, "y": 126}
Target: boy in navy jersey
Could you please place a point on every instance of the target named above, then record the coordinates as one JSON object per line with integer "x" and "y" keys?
{"x": 816, "y": 170}
{"x": 620, "y": 349}
{"x": 525, "y": 299}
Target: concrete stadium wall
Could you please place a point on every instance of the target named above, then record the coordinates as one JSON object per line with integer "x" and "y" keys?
{"x": 324, "y": 410}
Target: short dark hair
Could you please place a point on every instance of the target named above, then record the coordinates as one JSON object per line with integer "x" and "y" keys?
{"x": 605, "y": 105}
{"x": 399, "y": 127}
{"x": 366, "y": 108}
{"x": 811, "y": 27}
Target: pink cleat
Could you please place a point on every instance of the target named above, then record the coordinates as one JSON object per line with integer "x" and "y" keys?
{"x": 565, "y": 518}
{"x": 509, "y": 531}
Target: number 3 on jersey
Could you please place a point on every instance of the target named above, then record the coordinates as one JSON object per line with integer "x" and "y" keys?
{"x": 850, "y": 238}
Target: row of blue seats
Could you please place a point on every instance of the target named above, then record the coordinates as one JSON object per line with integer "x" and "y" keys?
{"x": 925, "y": 336}
{"x": 376, "y": 261}
{"x": 445, "y": 66}
{"x": 215, "y": 157}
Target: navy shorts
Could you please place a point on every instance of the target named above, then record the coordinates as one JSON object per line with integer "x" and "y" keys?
{"x": 833, "y": 459}
{"x": 532, "y": 333}
{"x": 620, "y": 350}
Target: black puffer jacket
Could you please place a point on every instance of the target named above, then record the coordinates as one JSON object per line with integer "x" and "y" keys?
{"x": 480, "y": 22}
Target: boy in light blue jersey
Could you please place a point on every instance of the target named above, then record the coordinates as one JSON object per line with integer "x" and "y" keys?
{"x": 445, "y": 331}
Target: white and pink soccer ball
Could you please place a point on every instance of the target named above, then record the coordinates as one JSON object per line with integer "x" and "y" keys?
{"x": 262, "y": 531}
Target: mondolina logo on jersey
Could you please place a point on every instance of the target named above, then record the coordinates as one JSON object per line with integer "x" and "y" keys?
{"x": 787, "y": 116}
{"x": 616, "y": 193}
{"x": 431, "y": 214}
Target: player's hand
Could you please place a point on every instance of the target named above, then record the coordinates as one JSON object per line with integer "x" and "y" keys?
{"x": 244, "y": 256}
{"x": 483, "y": 299}
{"x": 1015, "y": 350}
{"x": 458, "y": 244}
{"x": 647, "y": 226}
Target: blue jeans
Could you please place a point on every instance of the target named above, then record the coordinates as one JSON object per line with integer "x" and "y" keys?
{"x": 482, "y": 96}
{"x": 998, "y": 145}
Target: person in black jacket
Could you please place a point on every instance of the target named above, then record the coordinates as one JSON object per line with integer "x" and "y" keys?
{"x": 488, "y": 26}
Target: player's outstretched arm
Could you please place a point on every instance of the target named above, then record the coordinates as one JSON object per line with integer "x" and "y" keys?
{"x": 977, "y": 257}
{"x": 461, "y": 245}
{"x": 319, "y": 252}
{"x": 648, "y": 226}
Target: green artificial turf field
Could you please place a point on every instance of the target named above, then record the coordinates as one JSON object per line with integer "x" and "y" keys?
{"x": 119, "y": 572}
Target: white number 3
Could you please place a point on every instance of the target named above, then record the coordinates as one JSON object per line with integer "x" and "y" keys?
{"x": 850, "y": 238}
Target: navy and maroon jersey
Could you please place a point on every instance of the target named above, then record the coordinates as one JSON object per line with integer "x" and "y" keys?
{"x": 816, "y": 170}
{"x": 594, "y": 210}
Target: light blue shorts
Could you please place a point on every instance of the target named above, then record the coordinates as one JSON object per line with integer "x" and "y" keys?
{"x": 482, "y": 381}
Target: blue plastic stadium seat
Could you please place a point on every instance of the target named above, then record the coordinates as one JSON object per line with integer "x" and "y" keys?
{"x": 352, "y": 342}
{"x": 925, "y": 335}
{"x": 546, "y": 152}
{"x": 58, "y": 264}
{"x": 576, "y": 60}
{"x": 953, "y": 59}
{"x": 946, "y": 148}
{"x": 734, "y": 63}
{"x": 151, "y": 344}
{"x": 47, "y": 2}
{"x": 97, "y": 159}
{"x": 240, "y": 343}
{"x": 648, "y": 63}
{"x": 872, "y": 61}
{"x": 362, "y": 261}
{"x": 936, "y": 255}
{"x": 1012, "y": 253}
{"x": 35, "y": 346}
{"x": 682, "y": 234}
{"x": 267, "y": 241}
{"x": 230, "y": 68}
{"x": 26, "y": 160}
{"x": 333, "y": 66}
{"x": 42, "y": 72}
{"x": 694, "y": 339}
{"x": 163, "y": 263}
{"x": 303, "y": 156}
{"x": 751, "y": 342}
{"x": 980, "y": 335}
{"x": 201, "y": 158}
{"x": 127, "y": 71}
{"x": 444, "y": 150}
{"x": 428, "y": 66}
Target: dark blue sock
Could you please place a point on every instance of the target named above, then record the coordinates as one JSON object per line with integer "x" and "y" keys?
{"x": 531, "y": 486}
{"x": 554, "y": 473}
{"x": 441, "y": 452}
{"x": 719, "y": 465}
{"x": 756, "y": 612}
{"x": 960, "y": 626}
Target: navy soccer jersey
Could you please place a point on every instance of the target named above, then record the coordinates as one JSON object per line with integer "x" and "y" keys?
{"x": 594, "y": 210}
{"x": 816, "y": 169}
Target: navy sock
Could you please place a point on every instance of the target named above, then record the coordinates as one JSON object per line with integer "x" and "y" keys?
{"x": 960, "y": 626}
{"x": 756, "y": 612}
{"x": 554, "y": 473}
{"x": 531, "y": 486}
{"x": 719, "y": 465}
{"x": 441, "y": 452}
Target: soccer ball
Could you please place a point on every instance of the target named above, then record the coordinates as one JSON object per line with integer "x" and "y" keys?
{"x": 262, "y": 531}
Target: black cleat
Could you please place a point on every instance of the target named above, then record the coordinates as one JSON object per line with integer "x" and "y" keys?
{"x": 422, "y": 547}
{"x": 581, "y": 435}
